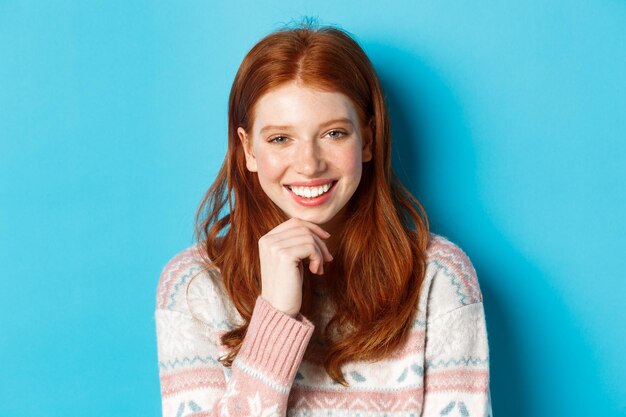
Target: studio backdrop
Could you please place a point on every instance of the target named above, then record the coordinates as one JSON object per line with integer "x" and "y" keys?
{"x": 509, "y": 126}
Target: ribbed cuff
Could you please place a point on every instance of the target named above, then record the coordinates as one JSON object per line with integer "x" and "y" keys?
{"x": 275, "y": 342}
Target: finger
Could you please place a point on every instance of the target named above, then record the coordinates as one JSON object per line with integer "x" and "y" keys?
{"x": 325, "y": 252}
{"x": 316, "y": 267}
{"x": 301, "y": 232}
{"x": 316, "y": 263}
{"x": 301, "y": 249}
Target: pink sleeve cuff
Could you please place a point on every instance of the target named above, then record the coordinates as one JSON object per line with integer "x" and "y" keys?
{"x": 275, "y": 342}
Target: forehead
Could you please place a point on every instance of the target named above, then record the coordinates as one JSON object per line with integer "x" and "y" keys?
{"x": 296, "y": 104}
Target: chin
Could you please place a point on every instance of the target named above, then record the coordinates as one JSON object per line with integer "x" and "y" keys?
{"x": 319, "y": 219}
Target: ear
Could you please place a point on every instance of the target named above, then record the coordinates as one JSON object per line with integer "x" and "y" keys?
{"x": 247, "y": 149}
{"x": 367, "y": 137}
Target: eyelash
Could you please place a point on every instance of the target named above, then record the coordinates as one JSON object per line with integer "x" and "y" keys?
{"x": 274, "y": 139}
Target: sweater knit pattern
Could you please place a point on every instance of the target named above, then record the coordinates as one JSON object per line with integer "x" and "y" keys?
{"x": 441, "y": 369}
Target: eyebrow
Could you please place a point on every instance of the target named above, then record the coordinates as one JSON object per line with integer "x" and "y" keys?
{"x": 328, "y": 123}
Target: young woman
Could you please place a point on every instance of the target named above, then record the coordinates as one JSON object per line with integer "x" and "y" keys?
{"x": 315, "y": 288}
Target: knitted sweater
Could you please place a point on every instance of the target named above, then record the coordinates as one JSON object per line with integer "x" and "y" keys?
{"x": 442, "y": 368}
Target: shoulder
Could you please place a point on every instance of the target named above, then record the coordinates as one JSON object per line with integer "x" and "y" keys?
{"x": 451, "y": 281}
{"x": 190, "y": 285}
{"x": 176, "y": 274}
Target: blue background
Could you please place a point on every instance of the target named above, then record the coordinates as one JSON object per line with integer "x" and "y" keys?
{"x": 509, "y": 118}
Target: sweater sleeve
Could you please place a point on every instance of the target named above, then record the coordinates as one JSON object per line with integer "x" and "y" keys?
{"x": 456, "y": 371}
{"x": 195, "y": 383}
{"x": 456, "y": 375}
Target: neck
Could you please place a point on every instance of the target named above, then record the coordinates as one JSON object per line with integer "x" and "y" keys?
{"x": 335, "y": 227}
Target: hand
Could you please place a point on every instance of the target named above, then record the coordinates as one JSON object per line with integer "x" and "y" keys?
{"x": 281, "y": 252}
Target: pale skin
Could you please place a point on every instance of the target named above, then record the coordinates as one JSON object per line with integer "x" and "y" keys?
{"x": 303, "y": 139}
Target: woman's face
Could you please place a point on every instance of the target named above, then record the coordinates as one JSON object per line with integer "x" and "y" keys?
{"x": 307, "y": 148}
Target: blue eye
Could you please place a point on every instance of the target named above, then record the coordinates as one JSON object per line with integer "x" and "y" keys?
{"x": 336, "y": 134}
{"x": 278, "y": 139}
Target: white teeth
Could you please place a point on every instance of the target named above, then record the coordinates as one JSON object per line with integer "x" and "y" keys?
{"x": 311, "y": 192}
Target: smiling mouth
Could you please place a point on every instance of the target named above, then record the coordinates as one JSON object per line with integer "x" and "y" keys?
{"x": 312, "y": 192}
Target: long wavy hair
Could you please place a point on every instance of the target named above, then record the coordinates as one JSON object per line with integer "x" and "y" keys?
{"x": 381, "y": 254}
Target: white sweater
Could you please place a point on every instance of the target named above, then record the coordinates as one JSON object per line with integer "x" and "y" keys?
{"x": 442, "y": 369}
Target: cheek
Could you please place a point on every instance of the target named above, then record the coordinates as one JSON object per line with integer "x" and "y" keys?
{"x": 269, "y": 166}
{"x": 350, "y": 162}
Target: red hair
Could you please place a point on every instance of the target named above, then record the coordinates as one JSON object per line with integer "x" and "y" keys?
{"x": 381, "y": 255}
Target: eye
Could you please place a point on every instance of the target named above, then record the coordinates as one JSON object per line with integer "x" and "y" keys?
{"x": 336, "y": 134}
{"x": 278, "y": 139}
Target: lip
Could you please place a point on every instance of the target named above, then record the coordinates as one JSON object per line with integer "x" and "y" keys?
{"x": 312, "y": 202}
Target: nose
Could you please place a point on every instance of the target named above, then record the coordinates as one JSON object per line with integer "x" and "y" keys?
{"x": 309, "y": 160}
